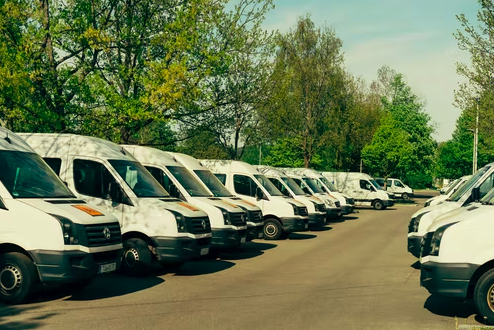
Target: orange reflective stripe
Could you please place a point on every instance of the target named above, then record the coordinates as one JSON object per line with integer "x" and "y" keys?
{"x": 187, "y": 205}
{"x": 88, "y": 210}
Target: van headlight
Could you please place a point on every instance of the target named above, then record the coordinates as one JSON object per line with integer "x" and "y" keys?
{"x": 69, "y": 231}
{"x": 437, "y": 237}
{"x": 180, "y": 219}
{"x": 329, "y": 202}
{"x": 295, "y": 209}
{"x": 428, "y": 203}
{"x": 226, "y": 217}
{"x": 416, "y": 222}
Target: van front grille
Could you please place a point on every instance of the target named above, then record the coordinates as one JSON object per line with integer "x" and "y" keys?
{"x": 303, "y": 211}
{"x": 199, "y": 225}
{"x": 99, "y": 234}
{"x": 255, "y": 216}
{"x": 238, "y": 219}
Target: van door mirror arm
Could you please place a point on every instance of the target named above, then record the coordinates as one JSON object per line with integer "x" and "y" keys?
{"x": 476, "y": 194}
{"x": 2, "y": 205}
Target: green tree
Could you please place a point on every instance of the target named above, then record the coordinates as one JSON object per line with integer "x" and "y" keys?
{"x": 307, "y": 82}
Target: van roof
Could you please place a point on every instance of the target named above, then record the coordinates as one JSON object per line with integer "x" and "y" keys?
{"x": 55, "y": 143}
{"x": 16, "y": 142}
{"x": 271, "y": 171}
{"x": 188, "y": 161}
{"x": 153, "y": 156}
{"x": 229, "y": 166}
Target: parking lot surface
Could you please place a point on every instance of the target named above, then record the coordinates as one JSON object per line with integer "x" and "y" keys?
{"x": 354, "y": 274}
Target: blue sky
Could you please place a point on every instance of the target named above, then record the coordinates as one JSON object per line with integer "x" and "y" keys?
{"x": 414, "y": 37}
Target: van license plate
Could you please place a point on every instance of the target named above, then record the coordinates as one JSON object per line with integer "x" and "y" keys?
{"x": 204, "y": 251}
{"x": 106, "y": 268}
{"x": 242, "y": 240}
{"x": 259, "y": 235}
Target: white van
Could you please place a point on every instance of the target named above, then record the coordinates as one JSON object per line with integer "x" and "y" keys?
{"x": 228, "y": 221}
{"x": 47, "y": 235}
{"x": 422, "y": 219}
{"x": 395, "y": 186}
{"x": 362, "y": 188}
{"x": 289, "y": 188}
{"x": 457, "y": 257}
{"x": 311, "y": 187}
{"x": 450, "y": 191}
{"x": 282, "y": 215}
{"x": 346, "y": 204}
{"x": 255, "y": 221}
{"x": 155, "y": 226}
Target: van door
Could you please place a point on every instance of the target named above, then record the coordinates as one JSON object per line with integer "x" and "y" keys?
{"x": 246, "y": 187}
{"x": 365, "y": 191}
{"x": 91, "y": 180}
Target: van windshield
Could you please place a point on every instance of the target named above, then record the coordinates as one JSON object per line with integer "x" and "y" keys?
{"x": 488, "y": 198}
{"x": 293, "y": 186}
{"x": 453, "y": 186}
{"x": 193, "y": 186}
{"x": 142, "y": 183}
{"x": 328, "y": 184}
{"x": 268, "y": 185}
{"x": 213, "y": 183}
{"x": 312, "y": 183}
{"x": 468, "y": 185}
{"x": 26, "y": 175}
{"x": 376, "y": 185}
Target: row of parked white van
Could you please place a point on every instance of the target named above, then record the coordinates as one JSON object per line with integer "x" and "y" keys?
{"x": 74, "y": 206}
{"x": 452, "y": 235}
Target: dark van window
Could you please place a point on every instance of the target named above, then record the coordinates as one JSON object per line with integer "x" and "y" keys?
{"x": 55, "y": 164}
{"x": 92, "y": 178}
{"x": 364, "y": 184}
{"x": 221, "y": 177}
{"x": 244, "y": 185}
{"x": 160, "y": 176}
{"x": 277, "y": 183}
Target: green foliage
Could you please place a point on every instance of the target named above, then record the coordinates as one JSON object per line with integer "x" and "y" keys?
{"x": 402, "y": 146}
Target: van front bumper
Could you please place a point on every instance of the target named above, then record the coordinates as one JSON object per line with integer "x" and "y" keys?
{"x": 63, "y": 267}
{"x": 388, "y": 202}
{"x": 333, "y": 213}
{"x": 414, "y": 245}
{"x": 227, "y": 237}
{"x": 255, "y": 230}
{"x": 447, "y": 279}
{"x": 174, "y": 250}
{"x": 317, "y": 219}
{"x": 347, "y": 209}
{"x": 292, "y": 224}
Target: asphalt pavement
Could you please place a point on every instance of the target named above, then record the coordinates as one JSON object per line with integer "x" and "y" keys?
{"x": 354, "y": 274}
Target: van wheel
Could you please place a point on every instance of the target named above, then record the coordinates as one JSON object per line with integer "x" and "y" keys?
{"x": 136, "y": 258}
{"x": 484, "y": 296}
{"x": 378, "y": 205}
{"x": 272, "y": 229}
{"x": 19, "y": 279}
{"x": 405, "y": 196}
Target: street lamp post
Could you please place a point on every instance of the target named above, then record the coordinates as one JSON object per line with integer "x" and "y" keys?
{"x": 476, "y": 140}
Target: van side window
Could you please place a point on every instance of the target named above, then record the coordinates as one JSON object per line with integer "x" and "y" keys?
{"x": 55, "y": 164}
{"x": 92, "y": 178}
{"x": 364, "y": 184}
{"x": 280, "y": 186}
{"x": 221, "y": 177}
{"x": 302, "y": 185}
{"x": 389, "y": 184}
{"x": 244, "y": 185}
{"x": 160, "y": 176}
{"x": 486, "y": 186}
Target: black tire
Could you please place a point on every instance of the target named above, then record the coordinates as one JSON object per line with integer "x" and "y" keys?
{"x": 19, "y": 280}
{"x": 136, "y": 257}
{"x": 378, "y": 205}
{"x": 272, "y": 229}
{"x": 484, "y": 296}
{"x": 405, "y": 196}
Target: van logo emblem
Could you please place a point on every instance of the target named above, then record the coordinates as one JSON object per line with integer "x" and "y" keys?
{"x": 107, "y": 233}
{"x": 242, "y": 217}
{"x": 203, "y": 223}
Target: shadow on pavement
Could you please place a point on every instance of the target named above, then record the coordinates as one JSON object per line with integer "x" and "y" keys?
{"x": 415, "y": 265}
{"x": 246, "y": 251}
{"x": 33, "y": 321}
{"x": 319, "y": 229}
{"x": 349, "y": 217}
{"x": 445, "y": 306}
{"x": 299, "y": 236}
{"x": 203, "y": 267}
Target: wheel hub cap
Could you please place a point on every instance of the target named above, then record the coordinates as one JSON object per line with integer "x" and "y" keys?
{"x": 270, "y": 229}
{"x": 10, "y": 278}
{"x": 490, "y": 297}
{"x": 131, "y": 257}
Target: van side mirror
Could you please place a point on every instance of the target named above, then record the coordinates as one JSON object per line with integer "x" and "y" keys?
{"x": 2, "y": 205}
{"x": 259, "y": 193}
{"x": 174, "y": 191}
{"x": 115, "y": 192}
{"x": 476, "y": 194}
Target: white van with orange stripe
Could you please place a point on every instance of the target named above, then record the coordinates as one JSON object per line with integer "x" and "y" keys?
{"x": 156, "y": 228}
